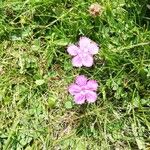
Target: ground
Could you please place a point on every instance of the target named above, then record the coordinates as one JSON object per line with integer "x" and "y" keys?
{"x": 37, "y": 111}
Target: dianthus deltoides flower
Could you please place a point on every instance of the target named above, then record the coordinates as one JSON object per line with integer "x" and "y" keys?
{"x": 83, "y": 90}
{"x": 83, "y": 52}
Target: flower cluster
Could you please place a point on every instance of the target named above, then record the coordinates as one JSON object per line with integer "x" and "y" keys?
{"x": 83, "y": 90}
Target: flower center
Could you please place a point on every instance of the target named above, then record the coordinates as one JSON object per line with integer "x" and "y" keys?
{"x": 85, "y": 50}
{"x": 82, "y": 92}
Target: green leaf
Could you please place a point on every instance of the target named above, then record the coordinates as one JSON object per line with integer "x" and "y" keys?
{"x": 68, "y": 105}
{"x": 51, "y": 102}
{"x": 140, "y": 143}
{"x": 61, "y": 42}
{"x": 39, "y": 82}
{"x": 80, "y": 145}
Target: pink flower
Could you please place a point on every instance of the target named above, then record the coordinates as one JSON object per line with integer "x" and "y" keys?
{"x": 83, "y": 52}
{"x": 83, "y": 90}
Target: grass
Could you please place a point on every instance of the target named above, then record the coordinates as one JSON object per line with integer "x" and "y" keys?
{"x": 35, "y": 70}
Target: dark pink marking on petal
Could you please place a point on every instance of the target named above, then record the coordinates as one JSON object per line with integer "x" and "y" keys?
{"x": 74, "y": 89}
{"x": 91, "y": 96}
{"x": 79, "y": 98}
{"x": 92, "y": 85}
{"x": 81, "y": 80}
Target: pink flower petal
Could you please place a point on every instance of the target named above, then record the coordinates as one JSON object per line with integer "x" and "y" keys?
{"x": 93, "y": 48}
{"x": 74, "y": 89}
{"x": 77, "y": 61}
{"x": 72, "y": 50}
{"x": 79, "y": 98}
{"x": 81, "y": 80}
{"x": 91, "y": 96}
{"x": 92, "y": 85}
{"x": 84, "y": 42}
{"x": 87, "y": 60}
